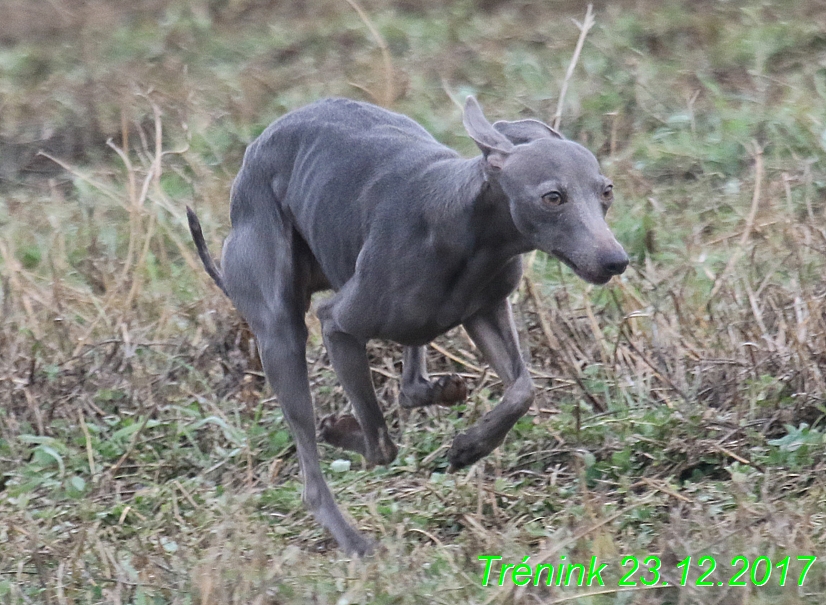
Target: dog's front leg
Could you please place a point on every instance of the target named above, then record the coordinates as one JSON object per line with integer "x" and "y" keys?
{"x": 348, "y": 355}
{"x": 494, "y": 332}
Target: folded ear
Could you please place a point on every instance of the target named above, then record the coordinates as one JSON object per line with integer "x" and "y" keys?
{"x": 494, "y": 145}
{"x": 525, "y": 131}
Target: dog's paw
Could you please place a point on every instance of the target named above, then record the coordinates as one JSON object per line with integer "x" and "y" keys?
{"x": 385, "y": 452}
{"x": 465, "y": 450}
{"x": 353, "y": 543}
{"x": 345, "y": 432}
{"x": 342, "y": 431}
{"x": 449, "y": 390}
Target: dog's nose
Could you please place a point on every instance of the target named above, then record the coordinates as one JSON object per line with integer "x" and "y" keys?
{"x": 617, "y": 265}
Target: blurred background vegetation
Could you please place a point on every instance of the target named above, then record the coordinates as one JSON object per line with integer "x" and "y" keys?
{"x": 142, "y": 457}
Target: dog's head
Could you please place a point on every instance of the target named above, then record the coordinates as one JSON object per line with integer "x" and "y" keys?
{"x": 557, "y": 195}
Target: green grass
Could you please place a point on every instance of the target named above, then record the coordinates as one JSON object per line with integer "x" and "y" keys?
{"x": 679, "y": 411}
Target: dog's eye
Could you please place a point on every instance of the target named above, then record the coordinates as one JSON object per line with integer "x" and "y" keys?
{"x": 608, "y": 193}
{"x": 553, "y": 198}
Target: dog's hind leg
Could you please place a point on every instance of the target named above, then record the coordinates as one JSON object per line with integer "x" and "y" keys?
{"x": 348, "y": 354}
{"x": 268, "y": 285}
{"x": 418, "y": 390}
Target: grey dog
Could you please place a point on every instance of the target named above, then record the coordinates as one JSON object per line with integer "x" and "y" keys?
{"x": 414, "y": 240}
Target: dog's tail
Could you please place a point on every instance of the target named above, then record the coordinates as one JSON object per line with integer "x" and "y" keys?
{"x": 203, "y": 251}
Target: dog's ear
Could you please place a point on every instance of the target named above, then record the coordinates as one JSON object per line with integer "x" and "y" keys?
{"x": 525, "y": 131}
{"x": 494, "y": 145}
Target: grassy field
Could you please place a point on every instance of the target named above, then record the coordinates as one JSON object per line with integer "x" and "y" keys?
{"x": 680, "y": 409}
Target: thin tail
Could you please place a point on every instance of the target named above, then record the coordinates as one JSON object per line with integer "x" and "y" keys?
{"x": 203, "y": 251}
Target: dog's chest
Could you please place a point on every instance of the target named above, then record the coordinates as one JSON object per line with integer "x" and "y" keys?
{"x": 418, "y": 312}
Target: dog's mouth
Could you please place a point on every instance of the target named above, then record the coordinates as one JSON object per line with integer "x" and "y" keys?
{"x": 592, "y": 278}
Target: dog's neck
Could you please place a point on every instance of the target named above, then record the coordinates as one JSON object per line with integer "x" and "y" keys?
{"x": 492, "y": 214}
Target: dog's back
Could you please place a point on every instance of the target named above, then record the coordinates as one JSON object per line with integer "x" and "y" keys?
{"x": 330, "y": 165}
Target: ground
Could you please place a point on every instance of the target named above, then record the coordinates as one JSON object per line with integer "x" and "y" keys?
{"x": 680, "y": 409}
